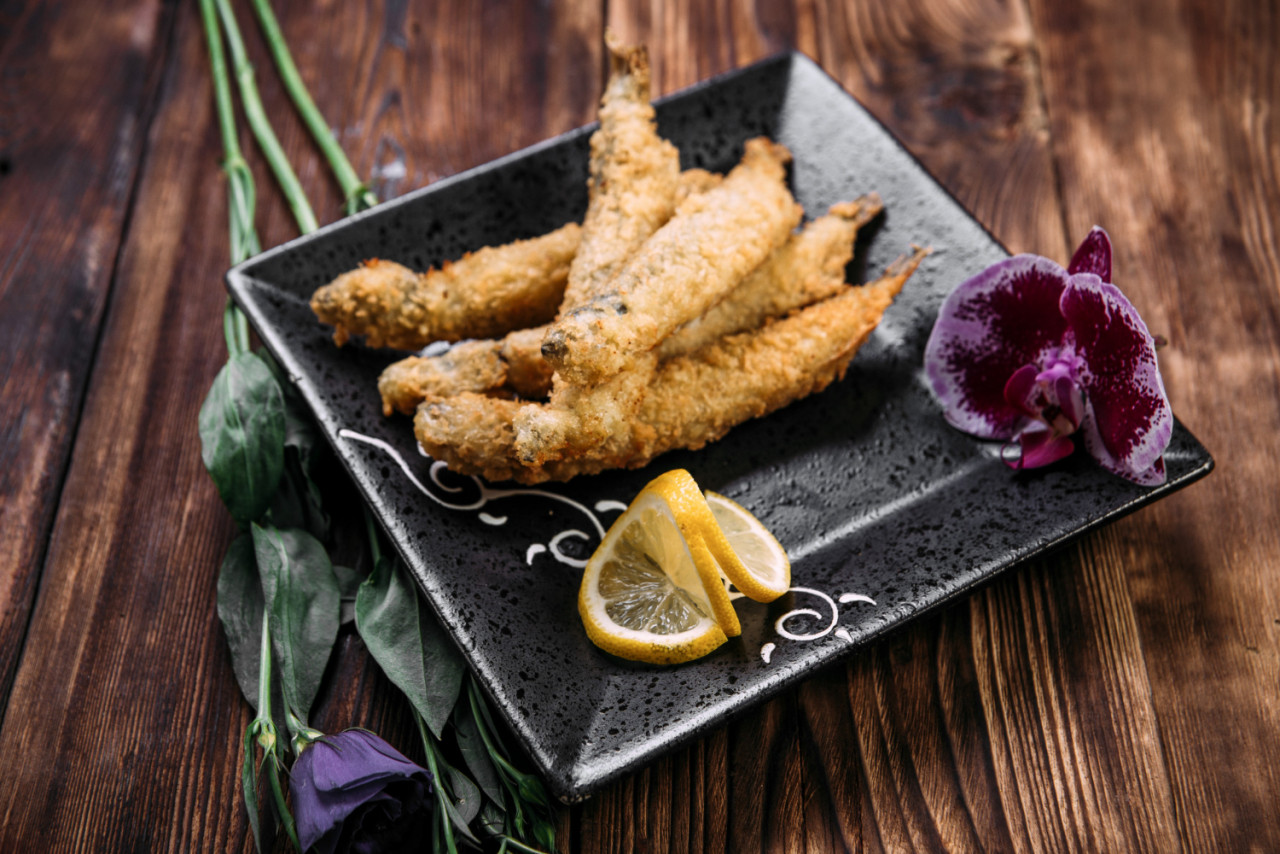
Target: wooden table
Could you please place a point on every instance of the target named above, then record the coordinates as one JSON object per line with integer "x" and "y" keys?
{"x": 1124, "y": 694}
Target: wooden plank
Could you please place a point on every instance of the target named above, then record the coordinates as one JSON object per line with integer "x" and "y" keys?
{"x": 77, "y": 89}
{"x": 954, "y": 734}
{"x": 124, "y": 631}
{"x": 1049, "y": 710}
{"x": 125, "y": 719}
{"x": 1170, "y": 144}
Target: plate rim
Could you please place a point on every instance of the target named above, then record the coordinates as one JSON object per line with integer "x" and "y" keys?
{"x": 568, "y": 786}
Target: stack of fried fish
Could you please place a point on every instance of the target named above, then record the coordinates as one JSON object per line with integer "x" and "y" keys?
{"x": 685, "y": 303}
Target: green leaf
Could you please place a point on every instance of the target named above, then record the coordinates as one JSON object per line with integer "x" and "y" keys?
{"x": 240, "y": 605}
{"x": 457, "y": 819}
{"x": 545, "y": 832}
{"x": 298, "y": 502}
{"x": 466, "y": 794}
{"x": 301, "y": 596}
{"x": 532, "y": 791}
{"x": 443, "y": 786}
{"x": 407, "y": 642}
{"x": 242, "y": 429}
{"x": 475, "y": 754}
{"x": 492, "y": 819}
{"x": 300, "y": 426}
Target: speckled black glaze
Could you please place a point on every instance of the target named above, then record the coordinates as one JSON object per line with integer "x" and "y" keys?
{"x": 866, "y": 486}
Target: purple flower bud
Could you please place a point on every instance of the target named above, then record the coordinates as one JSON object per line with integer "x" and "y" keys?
{"x": 354, "y": 792}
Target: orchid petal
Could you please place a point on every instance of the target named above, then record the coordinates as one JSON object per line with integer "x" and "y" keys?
{"x": 989, "y": 327}
{"x": 1128, "y": 422}
{"x": 1093, "y": 255}
{"x": 1041, "y": 447}
{"x": 1020, "y": 391}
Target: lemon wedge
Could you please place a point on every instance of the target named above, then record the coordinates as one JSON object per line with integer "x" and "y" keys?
{"x": 652, "y": 590}
{"x": 758, "y": 566}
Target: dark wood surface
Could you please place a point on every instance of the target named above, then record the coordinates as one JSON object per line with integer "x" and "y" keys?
{"x": 1121, "y": 695}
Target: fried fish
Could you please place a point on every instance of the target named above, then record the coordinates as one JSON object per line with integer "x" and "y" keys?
{"x": 484, "y": 294}
{"x": 694, "y": 398}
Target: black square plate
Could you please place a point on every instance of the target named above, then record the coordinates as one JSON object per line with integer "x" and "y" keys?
{"x": 885, "y": 510}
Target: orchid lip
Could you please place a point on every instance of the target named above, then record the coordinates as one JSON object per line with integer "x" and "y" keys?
{"x": 1038, "y": 446}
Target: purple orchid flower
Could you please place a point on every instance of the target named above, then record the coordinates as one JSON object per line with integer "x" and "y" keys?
{"x": 354, "y": 792}
{"x": 1031, "y": 353}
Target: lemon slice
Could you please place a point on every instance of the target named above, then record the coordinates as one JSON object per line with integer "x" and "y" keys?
{"x": 761, "y": 569}
{"x": 651, "y": 592}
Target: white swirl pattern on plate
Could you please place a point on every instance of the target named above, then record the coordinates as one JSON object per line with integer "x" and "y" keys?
{"x": 487, "y": 494}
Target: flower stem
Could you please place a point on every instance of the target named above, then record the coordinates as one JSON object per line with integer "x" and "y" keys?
{"x": 241, "y": 198}
{"x": 282, "y": 807}
{"x": 265, "y": 729}
{"x": 231, "y": 317}
{"x": 244, "y": 239}
{"x": 356, "y": 194}
{"x": 520, "y": 787}
{"x": 261, "y": 127}
{"x": 249, "y": 788}
{"x": 429, "y": 747}
{"x": 302, "y": 733}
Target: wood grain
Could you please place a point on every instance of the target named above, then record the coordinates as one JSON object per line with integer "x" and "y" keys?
{"x": 144, "y": 717}
{"x": 76, "y": 95}
{"x": 139, "y": 700}
{"x": 957, "y": 81}
{"x": 1120, "y": 695}
{"x": 1181, "y": 167}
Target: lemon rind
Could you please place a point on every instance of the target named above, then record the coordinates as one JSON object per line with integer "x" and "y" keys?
{"x": 747, "y": 582}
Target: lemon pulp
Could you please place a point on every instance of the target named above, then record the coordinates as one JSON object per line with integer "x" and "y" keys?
{"x": 639, "y": 593}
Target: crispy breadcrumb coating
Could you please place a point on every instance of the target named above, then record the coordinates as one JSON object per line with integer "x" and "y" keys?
{"x": 633, "y": 176}
{"x": 510, "y": 365}
{"x": 484, "y": 294}
{"x": 688, "y": 265}
{"x": 470, "y": 366}
{"x": 694, "y": 399}
{"x": 809, "y": 267}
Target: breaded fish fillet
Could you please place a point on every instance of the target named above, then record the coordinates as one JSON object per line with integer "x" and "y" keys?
{"x": 809, "y": 267}
{"x": 512, "y": 364}
{"x": 471, "y": 433}
{"x": 633, "y": 175}
{"x": 714, "y": 240}
{"x": 687, "y": 266}
{"x": 634, "y": 179}
{"x": 694, "y": 399}
{"x": 700, "y": 396}
{"x": 580, "y": 420}
{"x": 484, "y": 294}
{"x": 528, "y": 374}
